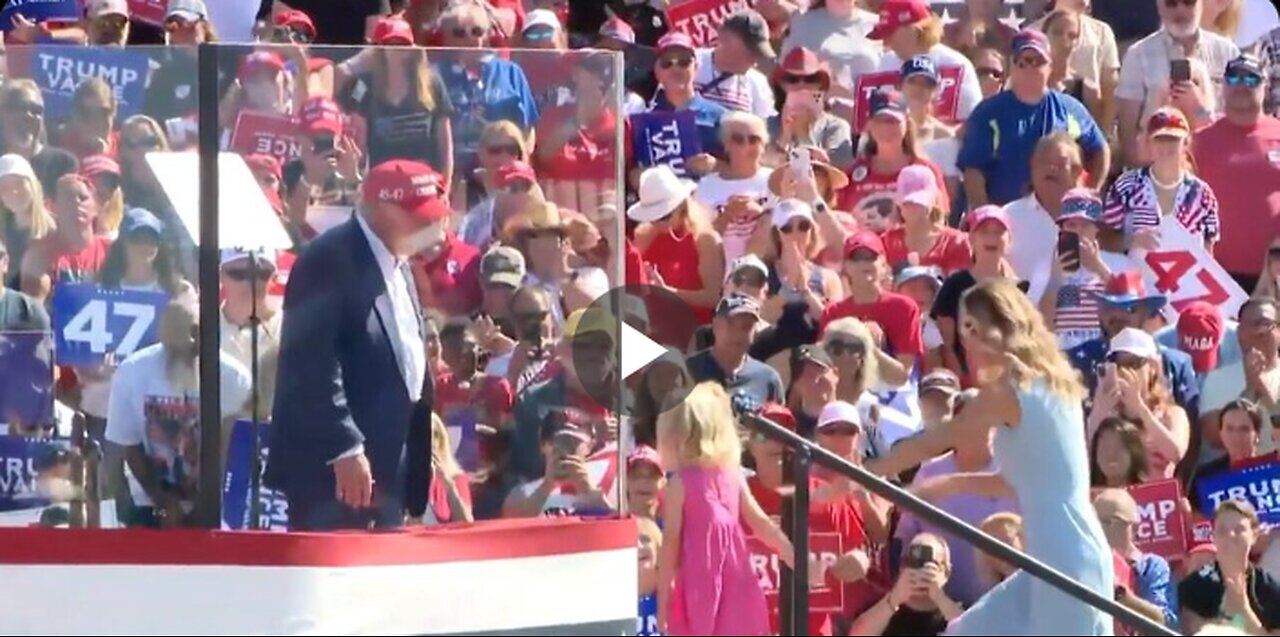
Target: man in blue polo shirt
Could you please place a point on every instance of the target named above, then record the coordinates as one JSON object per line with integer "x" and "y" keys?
{"x": 726, "y": 361}
{"x": 1003, "y": 130}
{"x": 676, "y": 67}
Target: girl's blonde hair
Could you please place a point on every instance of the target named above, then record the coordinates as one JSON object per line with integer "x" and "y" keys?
{"x": 111, "y": 213}
{"x": 1014, "y": 326}
{"x": 441, "y": 446}
{"x": 1227, "y": 24}
{"x": 869, "y": 375}
{"x": 703, "y": 428}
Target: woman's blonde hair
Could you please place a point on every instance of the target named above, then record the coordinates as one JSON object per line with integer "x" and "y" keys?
{"x": 422, "y": 76}
{"x": 703, "y": 428}
{"x": 156, "y": 129}
{"x": 442, "y": 446}
{"x": 1227, "y": 24}
{"x": 1013, "y": 325}
{"x": 869, "y": 375}
{"x": 111, "y": 213}
{"x": 37, "y": 220}
{"x": 929, "y": 31}
{"x": 504, "y": 130}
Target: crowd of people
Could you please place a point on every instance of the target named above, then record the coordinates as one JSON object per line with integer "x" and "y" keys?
{"x": 914, "y": 234}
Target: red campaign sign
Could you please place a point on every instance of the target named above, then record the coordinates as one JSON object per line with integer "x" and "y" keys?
{"x": 148, "y": 11}
{"x": 945, "y": 107}
{"x": 257, "y": 133}
{"x": 1171, "y": 266}
{"x": 701, "y": 19}
{"x": 823, "y": 600}
{"x": 1162, "y": 518}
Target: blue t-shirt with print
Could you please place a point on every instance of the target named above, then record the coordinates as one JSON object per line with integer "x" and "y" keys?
{"x": 647, "y": 621}
{"x": 500, "y": 92}
{"x": 707, "y": 114}
{"x": 1002, "y": 133}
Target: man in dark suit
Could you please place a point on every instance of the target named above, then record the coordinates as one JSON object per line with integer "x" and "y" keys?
{"x": 350, "y": 433}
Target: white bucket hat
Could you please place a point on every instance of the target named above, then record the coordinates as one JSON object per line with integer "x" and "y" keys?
{"x": 660, "y": 192}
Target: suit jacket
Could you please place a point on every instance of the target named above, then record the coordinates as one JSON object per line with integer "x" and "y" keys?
{"x": 339, "y": 384}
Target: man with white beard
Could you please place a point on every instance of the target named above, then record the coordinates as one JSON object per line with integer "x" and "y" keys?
{"x": 350, "y": 434}
{"x": 154, "y": 415}
{"x": 1146, "y": 76}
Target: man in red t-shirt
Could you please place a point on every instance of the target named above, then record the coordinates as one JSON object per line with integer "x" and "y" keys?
{"x": 1239, "y": 157}
{"x": 837, "y": 537}
{"x": 893, "y": 318}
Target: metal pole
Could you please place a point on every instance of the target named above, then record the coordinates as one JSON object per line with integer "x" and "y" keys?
{"x": 255, "y": 463}
{"x": 787, "y": 576}
{"x": 800, "y": 465}
{"x": 208, "y": 513}
{"x": 956, "y": 527}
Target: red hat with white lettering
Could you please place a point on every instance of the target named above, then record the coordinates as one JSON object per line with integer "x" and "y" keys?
{"x": 1200, "y": 330}
{"x": 261, "y": 61}
{"x": 895, "y": 14}
{"x": 412, "y": 185}
{"x": 322, "y": 115}
{"x": 294, "y": 19}
{"x": 675, "y": 40}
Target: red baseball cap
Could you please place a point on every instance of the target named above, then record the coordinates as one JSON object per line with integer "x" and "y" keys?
{"x": 412, "y": 185}
{"x": 675, "y": 40}
{"x": 643, "y": 455}
{"x": 95, "y": 165}
{"x": 516, "y": 171}
{"x": 295, "y": 19}
{"x": 261, "y": 60}
{"x": 983, "y": 214}
{"x": 264, "y": 163}
{"x": 322, "y": 115}
{"x": 899, "y": 13}
{"x": 393, "y": 30}
{"x": 779, "y": 414}
{"x": 1200, "y": 329}
{"x": 863, "y": 240}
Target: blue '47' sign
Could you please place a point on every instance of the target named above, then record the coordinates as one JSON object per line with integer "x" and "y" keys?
{"x": 89, "y": 322}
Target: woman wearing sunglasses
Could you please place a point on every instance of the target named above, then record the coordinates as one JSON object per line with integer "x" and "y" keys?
{"x": 990, "y": 65}
{"x": 1132, "y": 386}
{"x": 804, "y": 119}
{"x": 739, "y": 188}
{"x": 91, "y": 128}
{"x": 799, "y": 288}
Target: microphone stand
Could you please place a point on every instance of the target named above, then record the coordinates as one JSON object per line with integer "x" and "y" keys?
{"x": 255, "y": 463}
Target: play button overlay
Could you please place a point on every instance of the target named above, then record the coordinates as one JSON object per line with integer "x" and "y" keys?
{"x": 640, "y": 334}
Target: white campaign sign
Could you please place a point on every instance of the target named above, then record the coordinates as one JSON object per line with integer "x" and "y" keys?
{"x": 90, "y": 326}
{"x": 246, "y": 219}
{"x": 1182, "y": 270}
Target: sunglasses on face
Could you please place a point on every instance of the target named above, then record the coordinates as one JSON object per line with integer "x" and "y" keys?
{"x": 838, "y": 348}
{"x": 840, "y": 429}
{"x": 289, "y": 34}
{"x": 115, "y": 22}
{"x": 1173, "y": 4}
{"x": 1247, "y": 81}
{"x": 1273, "y": 252}
{"x": 1031, "y": 62}
{"x": 792, "y": 78}
{"x": 463, "y": 32}
{"x": 682, "y": 62}
{"x": 801, "y": 226}
{"x": 149, "y": 141}
{"x": 863, "y": 256}
{"x": 748, "y": 279}
{"x": 743, "y": 139}
{"x": 539, "y": 34}
{"x": 178, "y": 24}
{"x": 990, "y": 72}
{"x": 30, "y": 109}
{"x": 244, "y": 274}
{"x": 518, "y": 188}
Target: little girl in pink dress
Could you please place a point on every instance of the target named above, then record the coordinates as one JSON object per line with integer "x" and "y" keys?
{"x": 706, "y": 585}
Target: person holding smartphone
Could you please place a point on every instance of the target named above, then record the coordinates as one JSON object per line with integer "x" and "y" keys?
{"x": 918, "y": 603}
{"x": 1069, "y": 303}
{"x": 805, "y": 83}
{"x": 566, "y": 486}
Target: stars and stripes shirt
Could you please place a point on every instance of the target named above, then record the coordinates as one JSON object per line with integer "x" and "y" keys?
{"x": 1076, "y": 318}
{"x": 1132, "y": 204}
{"x": 749, "y": 91}
{"x": 1268, "y": 50}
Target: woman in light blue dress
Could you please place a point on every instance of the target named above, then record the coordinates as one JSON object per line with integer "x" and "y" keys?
{"x": 1031, "y": 395}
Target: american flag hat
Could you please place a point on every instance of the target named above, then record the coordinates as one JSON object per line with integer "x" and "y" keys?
{"x": 1168, "y": 122}
{"x": 1081, "y": 203}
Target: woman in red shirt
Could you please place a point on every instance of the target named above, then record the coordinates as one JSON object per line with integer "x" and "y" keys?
{"x": 682, "y": 253}
{"x": 837, "y": 536}
{"x": 890, "y": 146}
{"x": 575, "y": 154}
{"x": 924, "y": 238}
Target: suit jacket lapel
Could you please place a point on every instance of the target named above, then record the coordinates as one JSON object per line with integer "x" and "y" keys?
{"x": 372, "y": 280}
